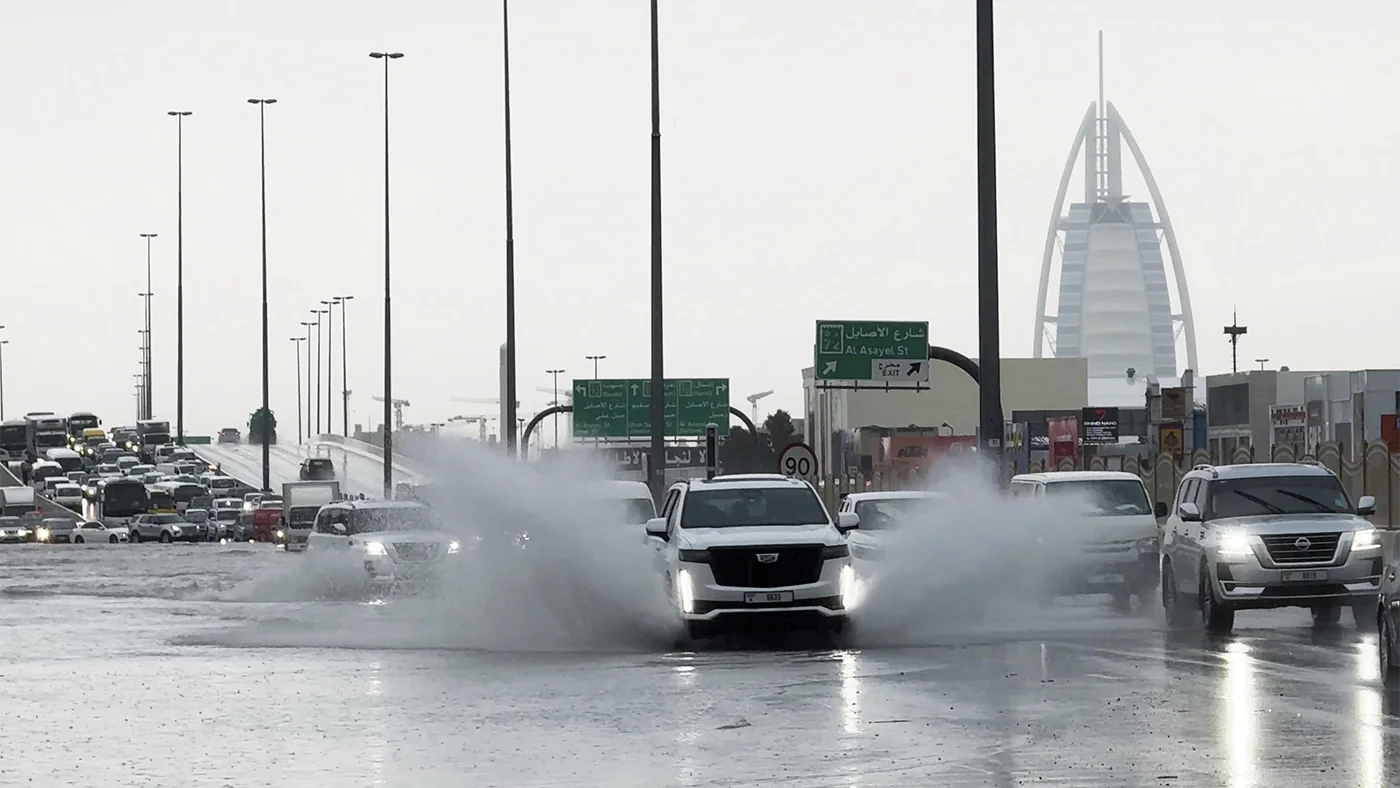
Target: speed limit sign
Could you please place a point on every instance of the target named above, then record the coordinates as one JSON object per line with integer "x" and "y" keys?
{"x": 797, "y": 460}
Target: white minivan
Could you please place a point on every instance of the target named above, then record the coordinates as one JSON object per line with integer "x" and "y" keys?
{"x": 1111, "y": 525}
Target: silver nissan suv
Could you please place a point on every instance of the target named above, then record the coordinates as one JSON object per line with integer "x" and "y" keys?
{"x": 1268, "y": 535}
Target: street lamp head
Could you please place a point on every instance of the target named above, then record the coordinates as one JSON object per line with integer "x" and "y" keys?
{"x": 390, "y": 55}
{"x": 262, "y": 101}
{"x": 179, "y": 114}
{"x": 148, "y": 235}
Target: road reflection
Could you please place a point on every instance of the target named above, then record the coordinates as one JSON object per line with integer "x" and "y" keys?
{"x": 1370, "y": 716}
{"x": 1240, "y": 712}
{"x": 376, "y": 743}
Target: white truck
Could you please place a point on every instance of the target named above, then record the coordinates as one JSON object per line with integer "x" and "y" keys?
{"x": 16, "y": 501}
{"x": 300, "y": 503}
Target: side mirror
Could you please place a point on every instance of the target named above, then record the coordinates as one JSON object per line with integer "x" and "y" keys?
{"x": 656, "y": 527}
{"x": 1161, "y": 510}
{"x": 1190, "y": 513}
{"x": 338, "y": 529}
{"x": 847, "y": 521}
{"x": 1366, "y": 505}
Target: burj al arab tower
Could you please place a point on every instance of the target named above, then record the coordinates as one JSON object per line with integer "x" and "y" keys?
{"x": 1116, "y": 307}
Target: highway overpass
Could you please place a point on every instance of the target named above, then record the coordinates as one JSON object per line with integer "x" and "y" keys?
{"x": 358, "y": 465}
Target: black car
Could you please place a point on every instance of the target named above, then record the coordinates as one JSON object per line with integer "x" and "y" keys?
{"x": 317, "y": 469}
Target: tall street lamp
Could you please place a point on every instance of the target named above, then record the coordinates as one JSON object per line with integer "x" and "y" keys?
{"x": 555, "y": 373}
{"x": 656, "y": 467}
{"x": 179, "y": 273}
{"x": 388, "y": 345}
{"x": 595, "y": 360}
{"x": 262, "y": 173}
{"x": 3, "y": 343}
{"x": 145, "y": 360}
{"x": 988, "y": 310}
{"x": 510, "y": 417}
{"x": 296, "y": 341}
{"x": 319, "y": 313}
{"x": 344, "y": 376}
{"x": 147, "y": 398}
{"x": 307, "y": 324}
{"x": 330, "y": 361}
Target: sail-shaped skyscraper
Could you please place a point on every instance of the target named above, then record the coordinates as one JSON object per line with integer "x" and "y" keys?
{"x": 1115, "y": 307}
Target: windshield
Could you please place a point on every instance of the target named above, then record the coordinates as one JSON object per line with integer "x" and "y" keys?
{"x": 752, "y": 506}
{"x": 885, "y": 513}
{"x": 222, "y": 483}
{"x": 165, "y": 519}
{"x": 9, "y": 522}
{"x": 391, "y": 518}
{"x": 124, "y": 500}
{"x": 51, "y": 440}
{"x": 196, "y": 516}
{"x": 1278, "y": 495}
{"x": 1108, "y": 497}
{"x": 162, "y": 500}
{"x": 14, "y": 436}
{"x": 46, "y": 471}
{"x": 226, "y": 514}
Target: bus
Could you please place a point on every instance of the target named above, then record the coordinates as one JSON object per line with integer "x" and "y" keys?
{"x": 79, "y": 422}
{"x": 182, "y": 492}
{"x": 46, "y": 431}
{"x": 14, "y": 437}
{"x": 117, "y": 501}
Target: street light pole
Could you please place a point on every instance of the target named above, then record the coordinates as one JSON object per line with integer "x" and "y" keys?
{"x": 146, "y": 395}
{"x": 988, "y": 310}
{"x": 296, "y": 341}
{"x": 344, "y": 376}
{"x": 266, "y": 406}
{"x": 595, "y": 360}
{"x": 388, "y": 323}
{"x": 3, "y": 343}
{"x": 318, "y": 313}
{"x": 555, "y": 373}
{"x": 330, "y": 362}
{"x": 656, "y": 467}
{"x": 511, "y": 397}
{"x": 179, "y": 274}
{"x": 307, "y": 324}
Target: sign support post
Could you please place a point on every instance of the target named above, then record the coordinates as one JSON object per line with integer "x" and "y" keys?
{"x": 711, "y": 450}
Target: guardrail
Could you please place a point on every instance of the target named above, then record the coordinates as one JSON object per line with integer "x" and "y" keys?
{"x": 400, "y": 462}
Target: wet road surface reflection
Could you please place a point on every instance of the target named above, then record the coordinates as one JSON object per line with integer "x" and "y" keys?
{"x": 144, "y": 689}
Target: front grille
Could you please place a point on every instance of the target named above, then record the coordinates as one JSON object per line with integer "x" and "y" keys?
{"x": 1302, "y": 548}
{"x": 739, "y": 567}
{"x": 415, "y": 551}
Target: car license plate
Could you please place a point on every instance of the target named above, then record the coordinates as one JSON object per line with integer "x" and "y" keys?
{"x": 1305, "y": 576}
{"x": 766, "y": 597}
{"x": 1105, "y": 580}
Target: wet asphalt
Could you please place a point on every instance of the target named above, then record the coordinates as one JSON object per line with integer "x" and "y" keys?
{"x": 152, "y": 666}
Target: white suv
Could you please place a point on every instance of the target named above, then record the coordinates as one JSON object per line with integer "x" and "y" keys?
{"x": 1267, "y": 535}
{"x": 753, "y": 547}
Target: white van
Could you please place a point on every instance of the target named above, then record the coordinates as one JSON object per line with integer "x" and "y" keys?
{"x": 634, "y": 498}
{"x": 69, "y": 459}
{"x": 1116, "y": 523}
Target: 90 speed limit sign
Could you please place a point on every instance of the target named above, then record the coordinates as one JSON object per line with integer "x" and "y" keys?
{"x": 797, "y": 460}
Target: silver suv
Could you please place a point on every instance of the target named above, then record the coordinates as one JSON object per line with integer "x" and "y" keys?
{"x": 1266, "y": 535}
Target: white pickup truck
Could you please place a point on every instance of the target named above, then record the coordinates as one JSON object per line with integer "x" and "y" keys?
{"x": 300, "y": 503}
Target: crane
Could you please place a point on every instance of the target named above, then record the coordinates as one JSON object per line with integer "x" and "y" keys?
{"x": 478, "y": 420}
{"x": 399, "y": 405}
{"x": 753, "y": 402}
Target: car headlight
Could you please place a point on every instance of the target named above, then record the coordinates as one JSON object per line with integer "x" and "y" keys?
{"x": 1367, "y": 538}
{"x": 281, "y": 533}
{"x": 1235, "y": 545}
{"x": 43, "y": 534}
{"x": 850, "y": 593}
{"x": 685, "y": 592}
{"x": 375, "y": 548}
{"x": 453, "y": 547}
{"x": 175, "y": 529}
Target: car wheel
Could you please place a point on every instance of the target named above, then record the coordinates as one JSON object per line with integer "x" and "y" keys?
{"x": 1390, "y": 672}
{"x": 1217, "y": 617}
{"x": 1362, "y": 613}
{"x": 1177, "y": 613}
{"x": 135, "y": 536}
{"x": 77, "y": 540}
{"x": 114, "y": 540}
{"x": 1326, "y": 614}
{"x": 165, "y": 537}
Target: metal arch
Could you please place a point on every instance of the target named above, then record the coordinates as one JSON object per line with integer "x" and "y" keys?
{"x": 1187, "y": 319}
{"x": 1085, "y": 128}
{"x": 555, "y": 409}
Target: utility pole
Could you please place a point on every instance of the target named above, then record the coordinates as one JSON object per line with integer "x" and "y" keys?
{"x": 1234, "y": 331}
{"x": 988, "y": 293}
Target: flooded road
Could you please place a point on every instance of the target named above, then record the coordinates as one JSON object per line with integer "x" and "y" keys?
{"x": 203, "y": 665}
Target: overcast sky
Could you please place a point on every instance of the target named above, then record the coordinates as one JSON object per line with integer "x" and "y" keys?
{"x": 820, "y": 162}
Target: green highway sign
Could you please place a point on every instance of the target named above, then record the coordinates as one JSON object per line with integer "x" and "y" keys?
{"x": 887, "y": 351}
{"x": 621, "y": 407}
